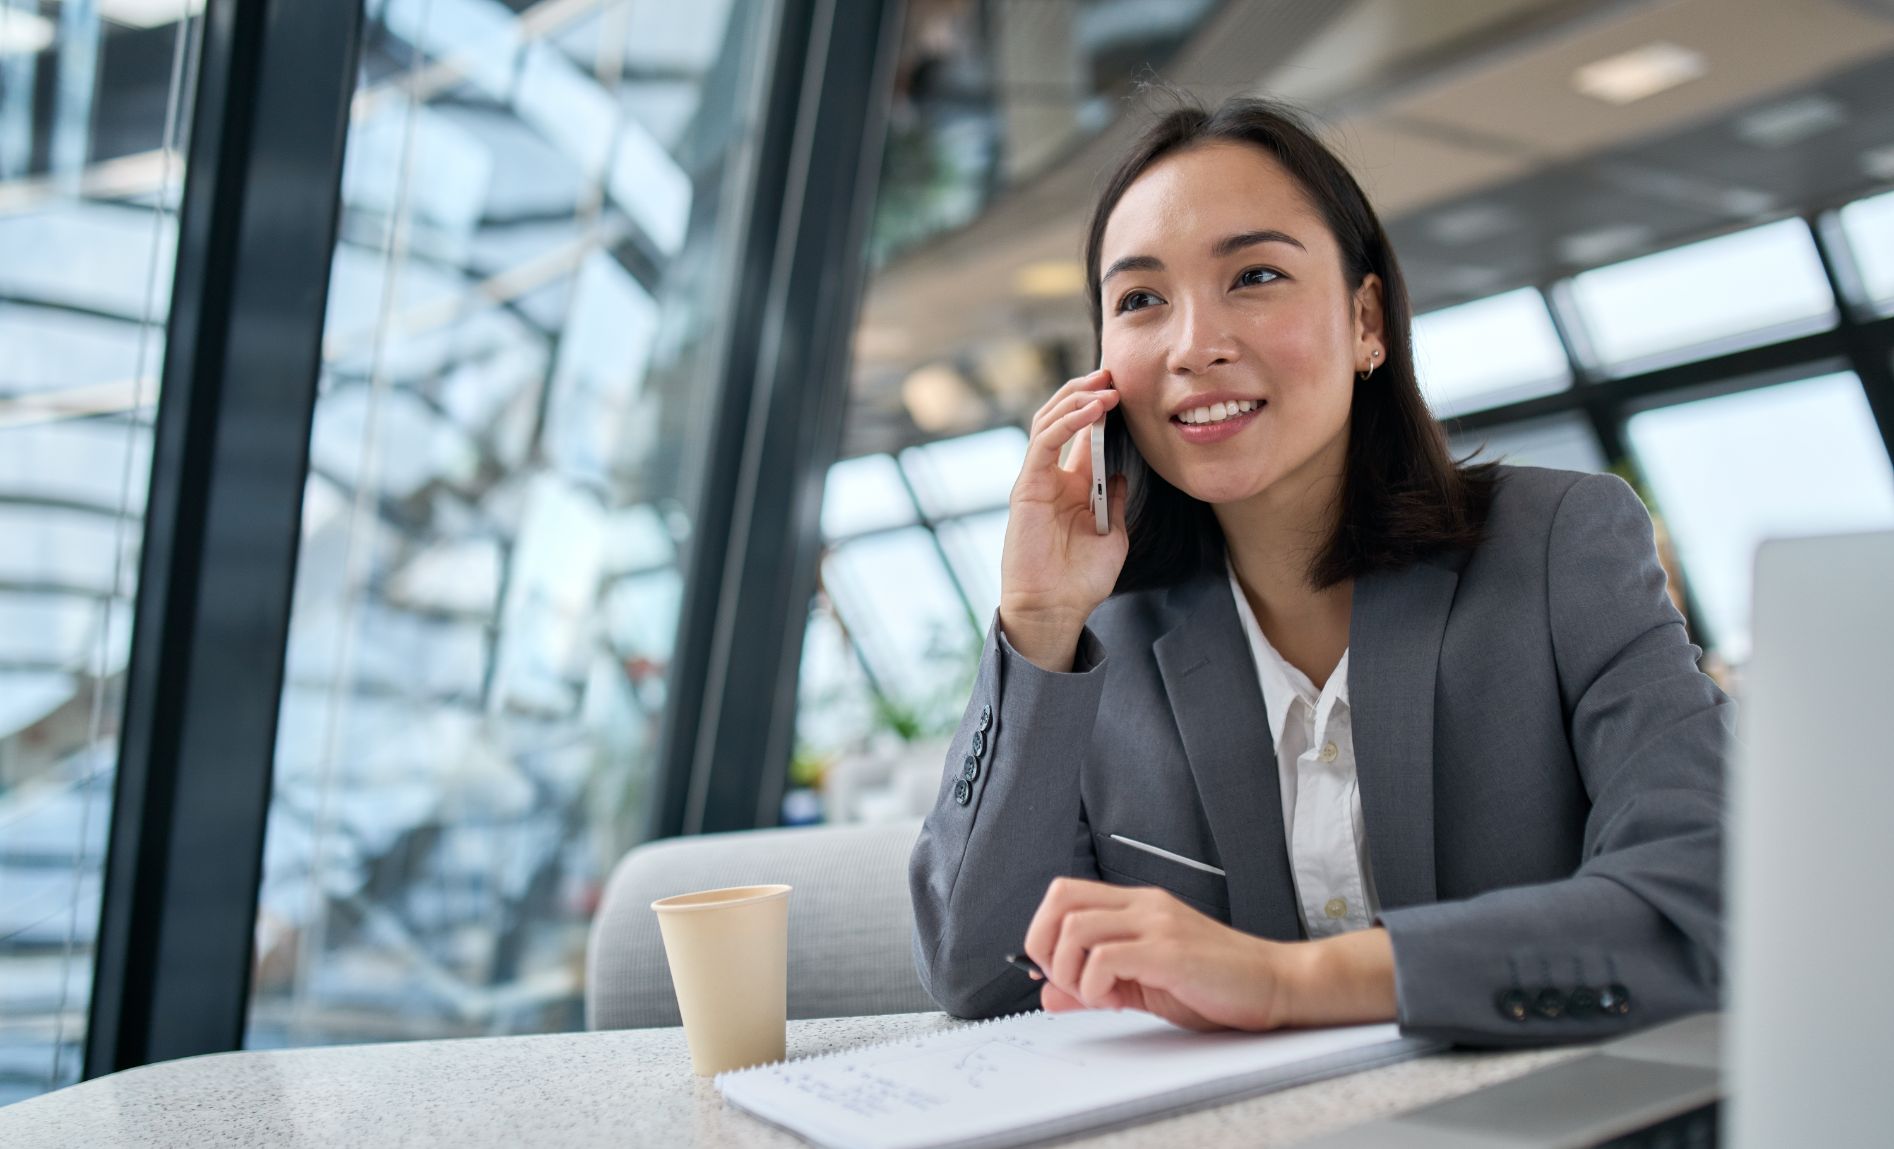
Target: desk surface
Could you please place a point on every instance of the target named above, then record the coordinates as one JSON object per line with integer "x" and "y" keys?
{"x": 617, "y": 1088}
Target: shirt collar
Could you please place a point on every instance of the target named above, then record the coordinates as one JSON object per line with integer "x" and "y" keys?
{"x": 1282, "y": 683}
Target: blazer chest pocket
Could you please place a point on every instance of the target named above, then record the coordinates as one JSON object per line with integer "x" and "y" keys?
{"x": 1132, "y": 865}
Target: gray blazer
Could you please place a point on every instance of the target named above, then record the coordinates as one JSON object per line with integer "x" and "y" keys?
{"x": 1539, "y": 760}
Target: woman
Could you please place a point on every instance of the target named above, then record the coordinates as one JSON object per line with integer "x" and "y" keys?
{"x": 1329, "y": 728}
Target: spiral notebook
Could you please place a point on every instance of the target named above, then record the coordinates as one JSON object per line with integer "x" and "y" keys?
{"x": 1032, "y": 1076}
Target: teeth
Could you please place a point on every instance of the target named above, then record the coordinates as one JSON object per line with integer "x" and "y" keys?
{"x": 1218, "y": 412}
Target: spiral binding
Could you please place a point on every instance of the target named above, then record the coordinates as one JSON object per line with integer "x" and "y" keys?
{"x": 890, "y": 1043}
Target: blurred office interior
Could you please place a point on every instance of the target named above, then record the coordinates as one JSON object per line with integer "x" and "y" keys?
{"x": 627, "y": 452}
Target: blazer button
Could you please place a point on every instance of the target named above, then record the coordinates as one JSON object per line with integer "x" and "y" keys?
{"x": 1549, "y": 1003}
{"x": 963, "y": 791}
{"x": 986, "y": 716}
{"x": 1583, "y": 1002}
{"x": 1614, "y": 1000}
{"x": 1512, "y": 1004}
{"x": 970, "y": 770}
{"x": 979, "y": 743}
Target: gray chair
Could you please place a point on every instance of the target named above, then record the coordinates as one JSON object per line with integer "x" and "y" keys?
{"x": 851, "y": 923}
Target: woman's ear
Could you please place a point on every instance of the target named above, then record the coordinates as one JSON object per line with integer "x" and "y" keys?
{"x": 1370, "y": 323}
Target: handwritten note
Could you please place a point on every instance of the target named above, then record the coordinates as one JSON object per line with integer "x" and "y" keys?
{"x": 1039, "y": 1075}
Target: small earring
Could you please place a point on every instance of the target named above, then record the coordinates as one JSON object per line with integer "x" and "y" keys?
{"x": 1372, "y": 364}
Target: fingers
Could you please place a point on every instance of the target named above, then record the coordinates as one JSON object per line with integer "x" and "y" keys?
{"x": 1062, "y": 399}
{"x": 1047, "y": 442}
{"x": 1079, "y": 933}
{"x": 1076, "y": 455}
{"x": 1110, "y": 963}
{"x": 1052, "y": 999}
{"x": 1063, "y": 896}
{"x": 1053, "y": 412}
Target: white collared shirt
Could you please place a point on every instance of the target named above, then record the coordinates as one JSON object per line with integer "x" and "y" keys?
{"x": 1321, "y": 803}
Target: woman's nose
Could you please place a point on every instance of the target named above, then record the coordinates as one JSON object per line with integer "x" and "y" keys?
{"x": 1200, "y": 340}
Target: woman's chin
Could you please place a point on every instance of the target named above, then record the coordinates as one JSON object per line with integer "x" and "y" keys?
{"x": 1218, "y": 490}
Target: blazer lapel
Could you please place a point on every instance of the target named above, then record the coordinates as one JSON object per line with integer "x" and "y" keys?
{"x": 1394, "y": 636}
{"x": 1211, "y": 680}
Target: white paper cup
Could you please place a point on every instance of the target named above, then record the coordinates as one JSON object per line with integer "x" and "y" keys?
{"x": 729, "y": 955}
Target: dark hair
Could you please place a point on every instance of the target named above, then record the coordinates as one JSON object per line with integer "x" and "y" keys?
{"x": 1403, "y": 495}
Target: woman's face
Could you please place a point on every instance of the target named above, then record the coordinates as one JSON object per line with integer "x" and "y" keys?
{"x": 1231, "y": 335}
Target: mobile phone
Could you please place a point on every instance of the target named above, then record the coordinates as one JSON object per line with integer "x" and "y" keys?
{"x": 1101, "y": 512}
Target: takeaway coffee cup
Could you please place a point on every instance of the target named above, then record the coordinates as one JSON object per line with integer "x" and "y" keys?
{"x": 729, "y": 955}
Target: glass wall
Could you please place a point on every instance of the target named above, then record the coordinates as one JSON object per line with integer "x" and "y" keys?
{"x": 92, "y": 116}
{"x": 909, "y": 584}
{"x": 1755, "y": 286}
{"x": 539, "y": 207}
{"x": 994, "y": 93}
{"x": 1798, "y": 458}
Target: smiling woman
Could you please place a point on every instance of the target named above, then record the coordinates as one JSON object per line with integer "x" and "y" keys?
{"x": 1497, "y": 770}
{"x": 1294, "y": 249}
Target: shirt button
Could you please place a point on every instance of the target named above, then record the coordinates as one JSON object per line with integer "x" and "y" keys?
{"x": 1336, "y": 908}
{"x": 1330, "y": 752}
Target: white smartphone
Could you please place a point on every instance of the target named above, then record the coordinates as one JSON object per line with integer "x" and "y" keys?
{"x": 1101, "y": 512}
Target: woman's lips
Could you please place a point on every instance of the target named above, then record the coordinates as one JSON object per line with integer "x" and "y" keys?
{"x": 1217, "y": 432}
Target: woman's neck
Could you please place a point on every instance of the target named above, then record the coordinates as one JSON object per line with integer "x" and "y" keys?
{"x": 1273, "y": 539}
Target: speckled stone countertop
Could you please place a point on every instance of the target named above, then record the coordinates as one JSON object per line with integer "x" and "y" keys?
{"x": 619, "y": 1088}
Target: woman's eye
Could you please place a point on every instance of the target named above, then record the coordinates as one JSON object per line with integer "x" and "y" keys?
{"x": 1257, "y": 276}
{"x": 1136, "y": 301}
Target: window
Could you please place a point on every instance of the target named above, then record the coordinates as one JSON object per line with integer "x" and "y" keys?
{"x": 1489, "y": 352}
{"x": 1564, "y": 442}
{"x": 1869, "y": 226}
{"x": 909, "y": 585}
{"x": 84, "y": 297}
{"x": 907, "y": 616}
{"x": 526, "y": 297}
{"x": 1753, "y": 287}
{"x": 865, "y": 494}
{"x": 1797, "y": 458}
{"x": 974, "y": 545}
{"x": 972, "y": 473}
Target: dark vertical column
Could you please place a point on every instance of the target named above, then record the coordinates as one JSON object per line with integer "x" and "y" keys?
{"x": 1867, "y": 354}
{"x": 729, "y": 732}
{"x": 255, "y": 236}
{"x": 1604, "y": 417}
{"x": 723, "y": 461}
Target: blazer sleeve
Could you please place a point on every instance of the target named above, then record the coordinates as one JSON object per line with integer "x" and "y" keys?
{"x": 1648, "y": 731}
{"x": 989, "y": 848}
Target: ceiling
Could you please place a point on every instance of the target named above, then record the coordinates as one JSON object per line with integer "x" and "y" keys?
{"x": 1463, "y": 123}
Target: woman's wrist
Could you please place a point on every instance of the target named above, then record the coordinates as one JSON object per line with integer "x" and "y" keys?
{"x": 1048, "y": 641}
{"x": 1343, "y": 980}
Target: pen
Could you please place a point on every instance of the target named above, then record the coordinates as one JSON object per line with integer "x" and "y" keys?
{"x": 1026, "y": 965}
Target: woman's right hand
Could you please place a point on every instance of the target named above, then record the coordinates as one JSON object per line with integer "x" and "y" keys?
{"x": 1056, "y": 568}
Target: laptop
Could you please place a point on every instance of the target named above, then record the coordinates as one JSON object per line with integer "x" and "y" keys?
{"x": 1801, "y": 1056}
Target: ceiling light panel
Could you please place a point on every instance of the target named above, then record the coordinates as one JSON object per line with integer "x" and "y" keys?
{"x": 1640, "y": 73}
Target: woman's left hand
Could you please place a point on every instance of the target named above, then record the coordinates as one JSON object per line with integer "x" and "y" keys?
{"x": 1106, "y": 946}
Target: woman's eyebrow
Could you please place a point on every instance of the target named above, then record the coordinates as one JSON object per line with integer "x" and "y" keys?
{"x": 1229, "y": 245}
{"x": 1132, "y": 263}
